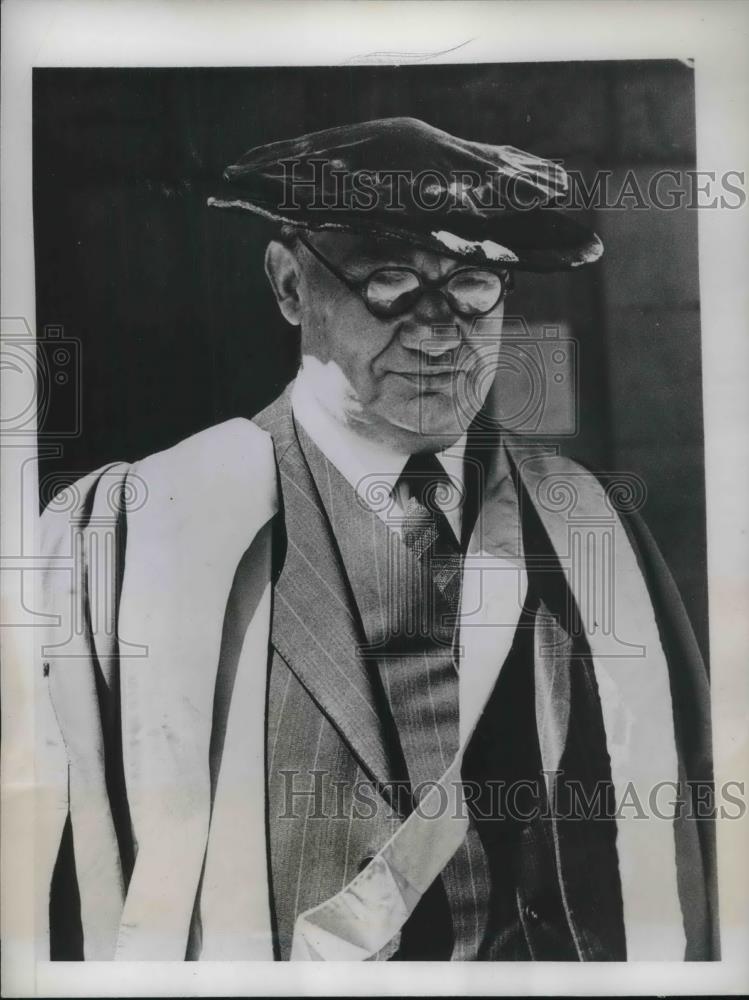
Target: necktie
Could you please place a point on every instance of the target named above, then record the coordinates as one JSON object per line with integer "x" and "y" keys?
{"x": 420, "y": 664}
{"x": 427, "y": 533}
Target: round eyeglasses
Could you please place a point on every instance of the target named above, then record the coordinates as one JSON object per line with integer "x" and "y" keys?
{"x": 392, "y": 291}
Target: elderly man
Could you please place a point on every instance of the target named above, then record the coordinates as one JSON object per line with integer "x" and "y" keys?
{"x": 349, "y": 682}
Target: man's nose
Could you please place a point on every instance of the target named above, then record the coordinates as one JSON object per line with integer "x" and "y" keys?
{"x": 432, "y": 326}
{"x": 433, "y": 307}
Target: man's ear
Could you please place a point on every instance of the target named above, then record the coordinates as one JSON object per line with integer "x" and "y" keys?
{"x": 282, "y": 268}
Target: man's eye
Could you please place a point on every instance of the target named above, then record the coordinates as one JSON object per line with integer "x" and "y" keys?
{"x": 388, "y": 285}
{"x": 474, "y": 281}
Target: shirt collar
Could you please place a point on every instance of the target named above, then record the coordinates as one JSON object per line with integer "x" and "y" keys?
{"x": 360, "y": 461}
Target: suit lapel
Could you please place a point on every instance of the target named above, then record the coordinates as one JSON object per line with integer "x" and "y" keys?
{"x": 379, "y": 567}
{"x": 314, "y": 626}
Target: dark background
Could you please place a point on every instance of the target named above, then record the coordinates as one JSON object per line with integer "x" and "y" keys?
{"x": 167, "y": 303}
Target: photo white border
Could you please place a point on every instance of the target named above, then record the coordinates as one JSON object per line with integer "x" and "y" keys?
{"x": 333, "y": 32}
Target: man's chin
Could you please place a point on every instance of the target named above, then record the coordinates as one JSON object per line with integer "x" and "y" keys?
{"x": 427, "y": 424}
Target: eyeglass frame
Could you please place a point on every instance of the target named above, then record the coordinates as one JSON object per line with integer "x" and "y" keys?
{"x": 425, "y": 284}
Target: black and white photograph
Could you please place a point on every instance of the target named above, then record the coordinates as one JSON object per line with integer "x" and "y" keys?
{"x": 367, "y": 561}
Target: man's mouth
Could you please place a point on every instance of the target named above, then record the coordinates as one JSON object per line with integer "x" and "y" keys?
{"x": 431, "y": 379}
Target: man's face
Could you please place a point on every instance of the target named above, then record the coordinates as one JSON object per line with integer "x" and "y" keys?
{"x": 413, "y": 382}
